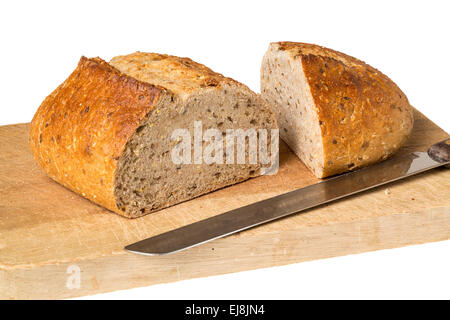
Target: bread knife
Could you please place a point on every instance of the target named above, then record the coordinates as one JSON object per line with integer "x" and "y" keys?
{"x": 294, "y": 202}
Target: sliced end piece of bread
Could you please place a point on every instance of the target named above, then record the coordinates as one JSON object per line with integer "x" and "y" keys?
{"x": 335, "y": 112}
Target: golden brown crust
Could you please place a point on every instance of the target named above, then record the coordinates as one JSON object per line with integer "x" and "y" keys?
{"x": 179, "y": 75}
{"x": 80, "y": 130}
{"x": 363, "y": 115}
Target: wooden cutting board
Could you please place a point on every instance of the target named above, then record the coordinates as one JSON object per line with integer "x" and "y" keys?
{"x": 56, "y": 244}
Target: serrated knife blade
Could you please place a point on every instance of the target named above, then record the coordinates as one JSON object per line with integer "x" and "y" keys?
{"x": 294, "y": 202}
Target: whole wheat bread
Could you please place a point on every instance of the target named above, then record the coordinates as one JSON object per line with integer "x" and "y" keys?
{"x": 105, "y": 132}
{"x": 335, "y": 112}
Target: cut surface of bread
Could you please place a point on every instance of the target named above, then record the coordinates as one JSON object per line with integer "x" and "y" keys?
{"x": 334, "y": 111}
{"x": 107, "y": 131}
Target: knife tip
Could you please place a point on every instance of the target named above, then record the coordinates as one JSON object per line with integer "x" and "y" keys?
{"x": 134, "y": 249}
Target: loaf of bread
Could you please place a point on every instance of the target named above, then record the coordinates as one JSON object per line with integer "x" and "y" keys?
{"x": 106, "y": 131}
{"x": 334, "y": 111}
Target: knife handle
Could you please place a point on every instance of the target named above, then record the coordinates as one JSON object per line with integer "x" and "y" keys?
{"x": 440, "y": 151}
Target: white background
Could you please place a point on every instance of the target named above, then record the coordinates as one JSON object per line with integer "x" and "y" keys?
{"x": 42, "y": 41}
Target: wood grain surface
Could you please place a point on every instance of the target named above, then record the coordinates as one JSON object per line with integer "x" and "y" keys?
{"x": 47, "y": 231}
